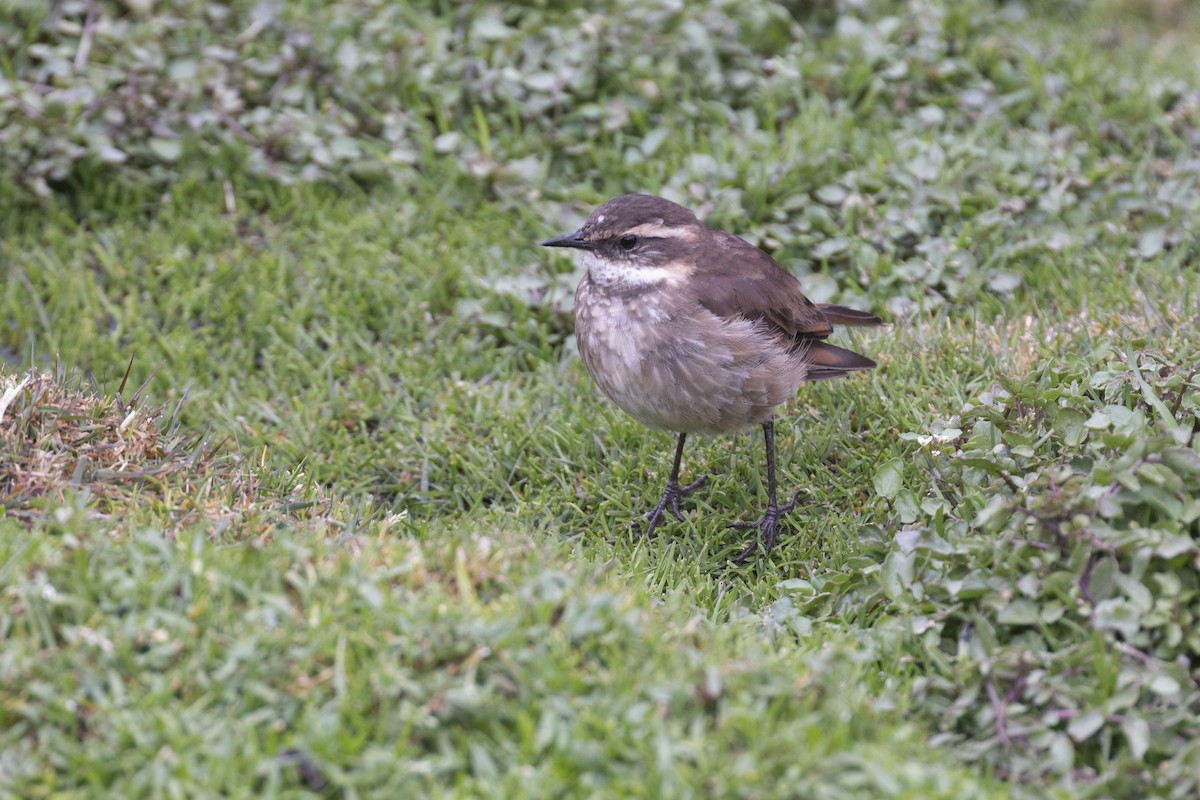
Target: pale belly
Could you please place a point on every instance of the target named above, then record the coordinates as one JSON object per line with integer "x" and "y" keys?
{"x": 699, "y": 374}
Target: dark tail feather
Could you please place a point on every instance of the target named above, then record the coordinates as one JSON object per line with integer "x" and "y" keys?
{"x": 827, "y": 361}
{"x": 840, "y": 315}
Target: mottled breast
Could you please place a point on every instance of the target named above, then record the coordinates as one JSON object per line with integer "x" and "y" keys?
{"x": 672, "y": 364}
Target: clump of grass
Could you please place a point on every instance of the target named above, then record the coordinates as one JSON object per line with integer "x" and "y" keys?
{"x": 60, "y": 439}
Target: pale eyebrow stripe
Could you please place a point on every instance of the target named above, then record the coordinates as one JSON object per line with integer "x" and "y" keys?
{"x": 659, "y": 231}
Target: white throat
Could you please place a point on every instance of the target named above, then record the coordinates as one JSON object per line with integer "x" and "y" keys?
{"x": 608, "y": 274}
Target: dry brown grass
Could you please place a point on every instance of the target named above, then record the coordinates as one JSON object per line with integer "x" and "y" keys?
{"x": 59, "y": 440}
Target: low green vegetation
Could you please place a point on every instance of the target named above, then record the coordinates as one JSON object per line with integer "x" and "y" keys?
{"x": 306, "y": 492}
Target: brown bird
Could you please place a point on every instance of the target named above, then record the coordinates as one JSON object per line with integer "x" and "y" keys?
{"x": 694, "y": 330}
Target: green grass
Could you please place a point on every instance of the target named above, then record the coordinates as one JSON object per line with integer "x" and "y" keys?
{"x": 481, "y": 664}
{"x": 413, "y": 564}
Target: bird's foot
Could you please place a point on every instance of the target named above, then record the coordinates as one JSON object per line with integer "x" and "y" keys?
{"x": 766, "y": 527}
{"x": 670, "y": 500}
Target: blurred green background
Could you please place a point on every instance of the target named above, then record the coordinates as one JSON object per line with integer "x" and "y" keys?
{"x": 312, "y": 226}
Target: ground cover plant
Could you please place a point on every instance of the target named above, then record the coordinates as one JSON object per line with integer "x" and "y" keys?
{"x": 306, "y": 493}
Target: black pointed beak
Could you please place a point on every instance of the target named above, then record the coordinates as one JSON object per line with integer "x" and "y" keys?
{"x": 575, "y": 240}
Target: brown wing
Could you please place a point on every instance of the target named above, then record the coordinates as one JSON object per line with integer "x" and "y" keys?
{"x": 830, "y": 361}
{"x": 744, "y": 281}
{"x": 738, "y": 279}
{"x": 841, "y": 315}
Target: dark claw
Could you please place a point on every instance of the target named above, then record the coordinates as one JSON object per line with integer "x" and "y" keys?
{"x": 670, "y": 499}
{"x": 766, "y": 529}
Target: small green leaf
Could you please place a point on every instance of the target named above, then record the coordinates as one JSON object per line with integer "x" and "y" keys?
{"x": 1119, "y": 615}
{"x": 1019, "y": 612}
{"x": 1163, "y": 685}
{"x": 993, "y": 516}
{"x": 1062, "y": 753}
{"x": 1151, "y": 243}
{"x": 897, "y": 574}
{"x": 1137, "y": 734}
{"x": 795, "y": 586}
{"x": 1085, "y": 725}
{"x": 831, "y": 249}
{"x": 1003, "y": 281}
{"x": 1070, "y": 425}
{"x": 831, "y": 194}
{"x": 1052, "y": 612}
{"x": 889, "y": 478}
{"x": 906, "y": 506}
{"x": 1173, "y": 546}
{"x": 1184, "y": 460}
{"x": 166, "y": 149}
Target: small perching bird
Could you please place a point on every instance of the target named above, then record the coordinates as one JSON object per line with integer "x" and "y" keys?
{"x": 694, "y": 330}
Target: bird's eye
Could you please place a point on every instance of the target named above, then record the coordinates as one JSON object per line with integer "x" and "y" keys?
{"x": 628, "y": 242}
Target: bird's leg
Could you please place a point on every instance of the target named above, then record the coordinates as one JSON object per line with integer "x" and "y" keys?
{"x": 670, "y": 498}
{"x": 766, "y": 526}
